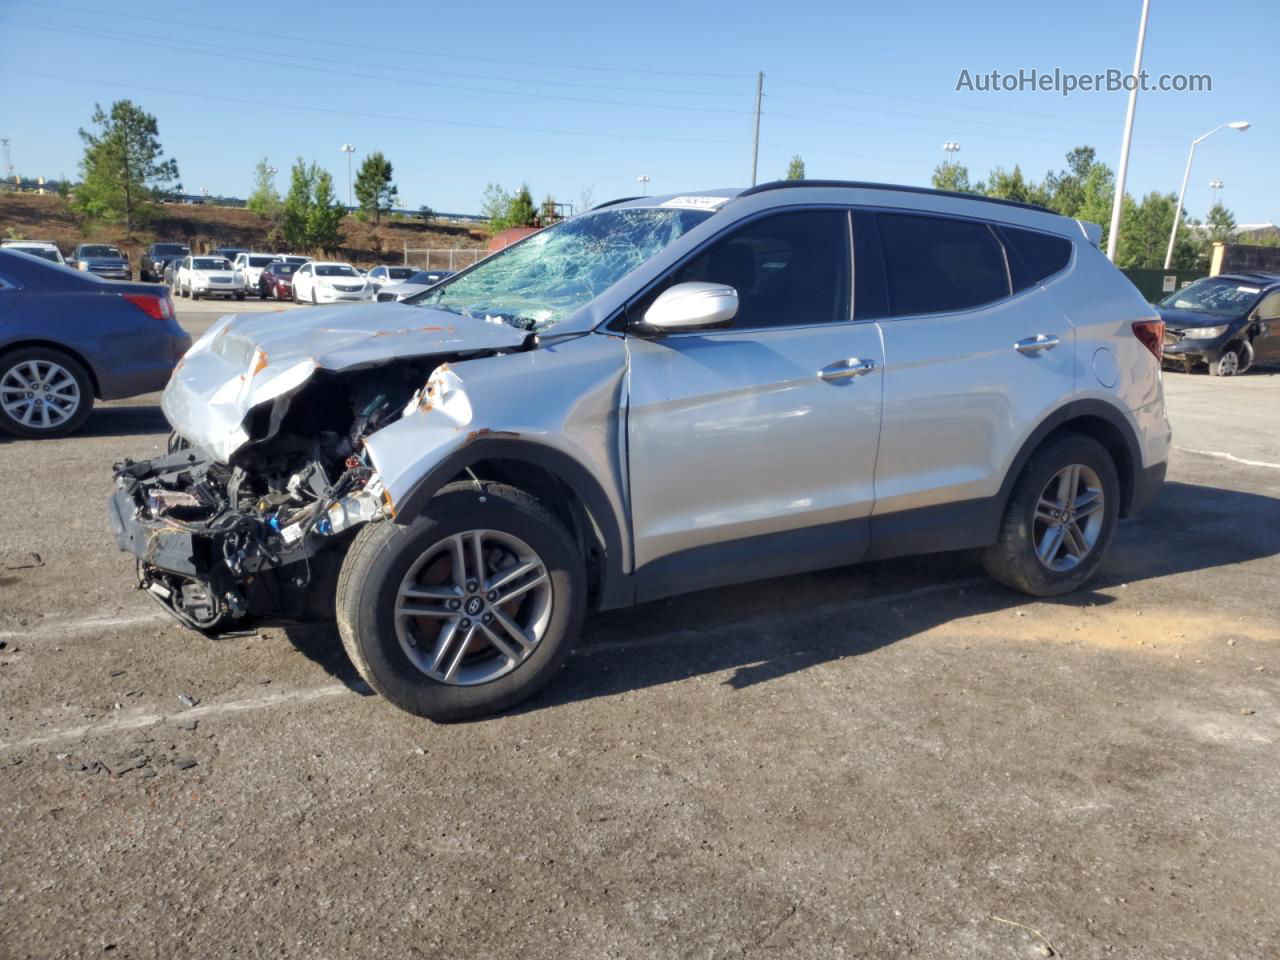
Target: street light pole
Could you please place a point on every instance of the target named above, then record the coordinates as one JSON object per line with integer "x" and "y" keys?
{"x": 643, "y": 180}
{"x": 1117, "y": 203}
{"x": 950, "y": 147}
{"x": 755, "y": 144}
{"x": 348, "y": 149}
{"x": 1241, "y": 125}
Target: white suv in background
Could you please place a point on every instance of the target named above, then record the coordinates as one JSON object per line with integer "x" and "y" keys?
{"x": 658, "y": 396}
{"x": 249, "y": 267}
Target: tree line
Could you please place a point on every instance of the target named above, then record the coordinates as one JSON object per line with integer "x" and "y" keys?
{"x": 1085, "y": 189}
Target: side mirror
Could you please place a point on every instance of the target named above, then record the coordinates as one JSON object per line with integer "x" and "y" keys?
{"x": 693, "y": 306}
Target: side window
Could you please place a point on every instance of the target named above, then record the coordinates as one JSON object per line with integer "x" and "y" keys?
{"x": 1040, "y": 255}
{"x": 1269, "y": 308}
{"x": 939, "y": 265}
{"x": 789, "y": 269}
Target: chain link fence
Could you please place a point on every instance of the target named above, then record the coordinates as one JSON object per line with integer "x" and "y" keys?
{"x": 439, "y": 258}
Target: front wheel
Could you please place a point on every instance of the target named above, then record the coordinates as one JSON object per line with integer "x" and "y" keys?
{"x": 1059, "y": 520}
{"x": 1234, "y": 361}
{"x": 466, "y": 611}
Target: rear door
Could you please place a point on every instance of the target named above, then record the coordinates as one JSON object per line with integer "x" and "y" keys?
{"x": 973, "y": 362}
{"x": 1266, "y": 342}
{"x": 752, "y": 448}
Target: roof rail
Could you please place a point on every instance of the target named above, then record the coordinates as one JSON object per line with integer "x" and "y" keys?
{"x": 867, "y": 185}
{"x": 614, "y": 203}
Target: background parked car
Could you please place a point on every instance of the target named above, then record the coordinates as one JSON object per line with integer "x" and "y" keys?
{"x": 385, "y": 273}
{"x": 103, "y": 260}
{"x": 37, "y": 248}
{"x": 1226, "y": 323}
{"x": 250, "y": 266}
{"x": 209, "y": 277}
{"x": 229, "y": 252}
{"x": 330, "y": 282}
{"x": 276, "y": 281}
{"x": 170, "y": 276}
{"x": 295, "y": 258}
{"x": 97, "y": 339}
{"x": 158, "y": 257}
{"x": 418, "y": 282}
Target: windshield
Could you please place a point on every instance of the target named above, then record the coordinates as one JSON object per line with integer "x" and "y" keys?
{"x": 99, "y": 250}
{"x": 540, "y": 281}
{"x": 335, "y": 270}
{"x": 171, "y": 250}
{"x": 430, "y": 276}
{"x": 1214, "y": 295}
{"x": 284, "y": 269}
{"x": 210, "y": 263}
{"x": 260, "y": 261}
{"x": 400, "y": 273}
{"x": 42, "y": 252}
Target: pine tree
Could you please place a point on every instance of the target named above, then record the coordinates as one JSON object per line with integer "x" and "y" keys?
{"x": 324, "y": 219}
{"x": 122, "y": 165}
{"x": 374, "y": 189}
{"x": 297, "y": 205}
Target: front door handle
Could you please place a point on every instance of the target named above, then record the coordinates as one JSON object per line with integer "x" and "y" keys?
{"x": 1041, "y": 341}
{"x": 844, "y": 369}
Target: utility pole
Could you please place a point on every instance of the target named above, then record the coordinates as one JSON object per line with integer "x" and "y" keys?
{"x": 8, "y": 164}
{"x": 755, "y": 146}
{"x": 348, "y": 149}
{"x": 1117, "y": 204}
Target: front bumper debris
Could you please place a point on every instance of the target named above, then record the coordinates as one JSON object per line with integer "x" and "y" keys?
{"x": 218, "y": 553}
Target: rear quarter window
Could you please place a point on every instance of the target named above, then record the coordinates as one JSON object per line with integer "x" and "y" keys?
{"x": 1039, "y": 255}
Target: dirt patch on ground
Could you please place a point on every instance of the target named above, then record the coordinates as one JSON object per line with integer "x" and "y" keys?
{"x": 29, "y": 216}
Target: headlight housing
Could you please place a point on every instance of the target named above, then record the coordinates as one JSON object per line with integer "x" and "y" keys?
{"x": 1205, "y": 333}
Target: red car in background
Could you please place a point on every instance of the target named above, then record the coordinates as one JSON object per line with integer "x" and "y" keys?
{"x": 276, "y": 281}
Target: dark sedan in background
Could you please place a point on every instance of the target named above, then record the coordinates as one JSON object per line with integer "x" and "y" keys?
{"x": 102, "y": 260}
{"x": 276, "y": 280}
{"x": 1226, "y": 323}
{"x": 67, "y": 337}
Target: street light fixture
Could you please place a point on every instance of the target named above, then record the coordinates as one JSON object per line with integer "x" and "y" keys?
{"x": 1242, "y": 126}
{"x": 643, "y": 180}
{"x": 1215, "y": 186}
{"x": 348, "y": 149}
{"x": 951, "y": 147}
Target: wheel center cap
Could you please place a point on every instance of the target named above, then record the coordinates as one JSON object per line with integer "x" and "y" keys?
{"x": 474, "y": 605}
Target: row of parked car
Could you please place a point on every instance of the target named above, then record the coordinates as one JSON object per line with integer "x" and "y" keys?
{"x": 234, "y": 272}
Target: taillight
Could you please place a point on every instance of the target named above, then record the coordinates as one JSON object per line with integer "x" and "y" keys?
{"x": 1151, "y": 333}
{"x": 155, "y": 307}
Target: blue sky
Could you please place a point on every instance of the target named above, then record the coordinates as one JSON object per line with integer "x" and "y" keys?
{"x": 569, "y": 96}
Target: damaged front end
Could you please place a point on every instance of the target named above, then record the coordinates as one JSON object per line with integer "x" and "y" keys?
{"x": 268, "y": 475}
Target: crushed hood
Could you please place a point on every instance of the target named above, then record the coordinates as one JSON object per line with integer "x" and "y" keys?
{"x": 243, "y": 361}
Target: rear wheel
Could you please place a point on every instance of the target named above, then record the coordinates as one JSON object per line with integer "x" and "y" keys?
{"x": 1060, "y": 519}
{"x": 43, "y": 393}
{"x": 469, "y": 609}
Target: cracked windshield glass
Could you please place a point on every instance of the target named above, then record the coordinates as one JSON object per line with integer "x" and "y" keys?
{"x": 539, "y": 282}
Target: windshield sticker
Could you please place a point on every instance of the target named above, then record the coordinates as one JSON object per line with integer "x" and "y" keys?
{"x": 696, "y": 203}
{"x": 1249, "y": 289}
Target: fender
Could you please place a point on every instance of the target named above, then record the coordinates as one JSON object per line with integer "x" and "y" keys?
{"x": 616, "y": 589}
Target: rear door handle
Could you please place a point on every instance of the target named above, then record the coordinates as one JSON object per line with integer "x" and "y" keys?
{"x": 1041, "y": 341}
{"x": 844, "y": 369}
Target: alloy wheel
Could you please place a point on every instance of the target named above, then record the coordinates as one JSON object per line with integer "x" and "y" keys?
{"x": 40, "y": 394}
{"x": 1069, "y": 517}
{"x": 473, "y": 607}
{"x": 1229, "y": 364}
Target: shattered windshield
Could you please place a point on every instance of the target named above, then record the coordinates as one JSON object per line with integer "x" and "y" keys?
{"x": 1217, "y": 296}
{"x": 539, "y": 282}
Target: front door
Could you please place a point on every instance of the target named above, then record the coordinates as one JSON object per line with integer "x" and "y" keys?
{"x": 752, "y": 448}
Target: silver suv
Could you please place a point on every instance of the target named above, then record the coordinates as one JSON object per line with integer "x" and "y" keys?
{"x": 662, "y": 395}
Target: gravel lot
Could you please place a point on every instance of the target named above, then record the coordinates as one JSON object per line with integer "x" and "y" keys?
{"x": 895, "y": 760}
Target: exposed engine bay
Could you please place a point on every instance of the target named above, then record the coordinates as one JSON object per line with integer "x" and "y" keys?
{"x": 261, "y": 536}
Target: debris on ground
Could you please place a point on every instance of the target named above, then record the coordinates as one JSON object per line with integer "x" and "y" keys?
{"x": 23, "y": 561}
{"x": 187, "y": 700}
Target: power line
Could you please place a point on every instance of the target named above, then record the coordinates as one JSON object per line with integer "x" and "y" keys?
{"x": 382, "y": 49}
{"x": 435, "y": 121}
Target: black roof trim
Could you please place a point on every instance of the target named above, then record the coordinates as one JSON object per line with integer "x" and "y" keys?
{"x": 1252, "y": 275}
{"x": 867, "y": 185}
{"x": 614, "y": 203}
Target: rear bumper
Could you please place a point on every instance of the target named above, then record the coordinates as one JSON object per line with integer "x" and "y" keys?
{"x": 1147, "y": 486}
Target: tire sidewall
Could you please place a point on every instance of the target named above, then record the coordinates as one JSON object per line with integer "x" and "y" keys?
{"x": 375, "y": 585}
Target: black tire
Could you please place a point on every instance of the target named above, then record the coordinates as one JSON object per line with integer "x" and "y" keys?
{"x": 315, "y": 301}
{"x": 192, "y": 293}
{"x": 383, "y": 553}
{"x": 1013, "y": 559}
{"x": 239, "y": 296}
{"x": 9, "y": 422}
{"x": 1239, "y": 362}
